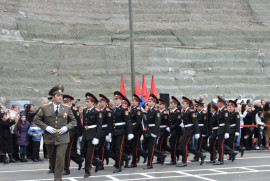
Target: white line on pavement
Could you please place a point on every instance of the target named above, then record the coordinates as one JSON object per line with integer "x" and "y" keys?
{"x": 112, "y": 178}
{"x": 196, "y": 176}
{"x": 146, "y": 175}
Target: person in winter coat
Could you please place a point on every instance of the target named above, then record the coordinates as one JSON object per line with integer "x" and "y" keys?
{"x": 5, "y": 138}
{"x": 22, "y": 141}
{"x": 36, "y": 133}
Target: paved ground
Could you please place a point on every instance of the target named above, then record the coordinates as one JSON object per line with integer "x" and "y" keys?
{"x": 255, "y": 165}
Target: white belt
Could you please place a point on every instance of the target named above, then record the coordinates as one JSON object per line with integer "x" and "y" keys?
{"x": 188, "y": 125}
{"x": 201, "y": 124}
{"x": 133, "y": 124}
{"x": 89, "y": 127}
{"x": 222, "y": 124}
{"x": 119, "y": 124}
{"x": 104, "y": 126}
{"x": 151, "y": 125}
{"x": 232, "y": 125}
{"x": 34, "y": 128}
{"x": 215, "y": 128}
{"x": 163, "y": 126}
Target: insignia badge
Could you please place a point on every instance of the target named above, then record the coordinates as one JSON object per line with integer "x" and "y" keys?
{"x": 158, "y": 115}
{"x": 100, "y": 115}
{"x": 238, "y": 116}
{"x": 193, "y": 115}
{"x": 39, "y": 110}
{"x": 165, "y": 117}
{"x": 179, "y": 117}
{"x": 110, "y": 114}
{"x": 226, "y": 114}
{"x": 78, "y": 114}
{"x": 126, "y": 113}
{"x": 139, "y": 113}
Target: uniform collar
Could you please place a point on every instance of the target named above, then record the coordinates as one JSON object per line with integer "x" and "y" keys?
{"x": 221, "y": 108}
{"x": 174, "y": 110}
{"x": 186, "y": 109}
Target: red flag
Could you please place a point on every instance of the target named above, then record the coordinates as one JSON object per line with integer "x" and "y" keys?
{"x": 122, "y": 87}
{"x": 145, "y": 95}
{"x": 138, "y": 90}
{"x": 153, "y": 87}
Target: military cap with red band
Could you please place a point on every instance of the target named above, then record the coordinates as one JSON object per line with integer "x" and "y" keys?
{"x": 104, "y": 98}
{"x": 214, "y": 105}
{"x": 161, "y": 101}
{"x": 153, "y": 98}
{"x": 185, "y": 99}
{"x": 91, "y": 97}
{"x": 119, "y": 95}
{"x": 221, "y": 99}
{"x": 175, "y": 100}
{"x": 67, "y": 98}
{"x": 231, "y": 102}
{"x": 199, "y": 103}
{"x": 137, "y": 98}
{"x": 126, "y": 101}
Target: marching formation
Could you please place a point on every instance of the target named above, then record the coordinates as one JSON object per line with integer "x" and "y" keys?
{"x": 123, "y": 130}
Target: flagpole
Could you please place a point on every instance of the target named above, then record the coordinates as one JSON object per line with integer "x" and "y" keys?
{"x": 131, "y": 47}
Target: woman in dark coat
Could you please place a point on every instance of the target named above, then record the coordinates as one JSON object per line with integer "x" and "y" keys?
{"x": 5, "y": 138}
{"x": 21, "y": 130}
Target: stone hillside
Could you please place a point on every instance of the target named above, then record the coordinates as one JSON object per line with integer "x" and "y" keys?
{"x": 191, "y": 46}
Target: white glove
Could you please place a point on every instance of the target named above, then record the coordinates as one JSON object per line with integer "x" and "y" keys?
{"x": 197, "y": 136}
{"x": 130, "y": 136}
{"x": 236, "y": 134}
{"x": 168, "y": 129}
{"x": 226, "y": 136}
{"x": 95, "y": 141}
{"x": 182, "y": 125}
{"x": 203, "y": 135}
{"x": 153, "y": 135}
{"x": 108, "y": 137}
{"x": 80, "y": 138}
{"x": 63, "y": 130}
{"x": 50, "y": 129}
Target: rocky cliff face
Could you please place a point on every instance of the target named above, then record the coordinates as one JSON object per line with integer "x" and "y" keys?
{"x": 192, "y": 47}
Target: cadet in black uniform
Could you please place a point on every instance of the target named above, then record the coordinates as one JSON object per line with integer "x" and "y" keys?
{"x": 153, "y": 130}
{"x": 213, "y": 131}
{"x": 74, "y": 134}
{"x": 203, "y": 127}
{"x": 164, "y": 124}
{"x": 105, "y": 135}
{"x": 121, "y": 128}
{"x": 174, "y": 129}
{"x": 137, "y": 129}
{"x": 224, "y": 128}
{"x": 190, "y": 128}
{"x": 234, "y": 119}
{"x": 92, "y": 120}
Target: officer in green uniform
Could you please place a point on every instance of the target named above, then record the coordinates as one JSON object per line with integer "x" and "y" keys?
{"x": 56, "y": 120}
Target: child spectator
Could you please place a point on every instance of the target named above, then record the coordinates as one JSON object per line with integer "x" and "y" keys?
{"x": 6, "y": 138}
{"x": 36, "y": 133}
{"x": 20, "y": 131}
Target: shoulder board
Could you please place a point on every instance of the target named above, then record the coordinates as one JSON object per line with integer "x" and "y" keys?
{"x": 191, "y": 110}
{"x": 225, "y": 109}
{"x": 107, "y": 109}
{"x": 138, "y": 108}
{"x": 123, "y": 107}
{"x": 74, "y": 108}
{"x": 156, "y": 108}
{"x": 204, "y": 112}
{"x": 235, "y": 111}
{"x": 97, "y": 109}
{"x": 178, "y": 110}
{"x": 128, "y": 110}
{"x": 47, "y": 104}
{"x": 165, "y": 112}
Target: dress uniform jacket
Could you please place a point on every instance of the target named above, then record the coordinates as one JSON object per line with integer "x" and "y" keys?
{"x": 234, "y": 120}
{"x": 213, "y": 123}
{"x": 153, "y": 122}
{"x": 190, "y": 121}
{"x": 202, "y": 121}
{"x": 164, "y": 121}
{"x": 121, "y": 123}
{"x": 175, "y": 121}
{"x": 136, "y": 120}
{"x": 47, "y": 117}
{"x": 91, "y": 118}
{"x": 223, "y": 121}
{"x": 106, "y": 126}
{"x": 77, "y": 130}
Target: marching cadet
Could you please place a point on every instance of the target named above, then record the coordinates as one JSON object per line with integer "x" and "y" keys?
{"x": 121, "y": 128}
{"x": 164, "y": 124}
{"x": 92, "y": 121}
{"x": 190, "y": 128}
{"x": 105, "y": 135}
{"x": 223, "y": 129}
{"x": 174, "y": 129}
{"x": 152, "y": 125}
{"x": 137, "y": 129}
{"x": 56, "y": 119}
{"x": 234, "y": 120}
{"x": 74, "y": 134}
{"x": 203, "y": 127}
{"x": 213, "y": 127}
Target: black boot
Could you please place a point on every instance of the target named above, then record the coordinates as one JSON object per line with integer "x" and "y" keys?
{"x": 11, "y": 159}
{"x": 246, "y": 142}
